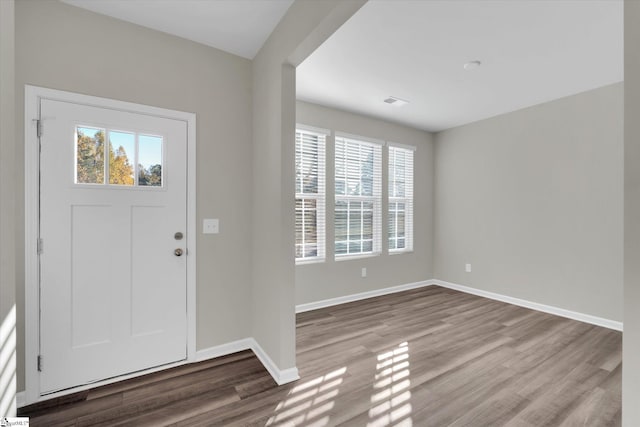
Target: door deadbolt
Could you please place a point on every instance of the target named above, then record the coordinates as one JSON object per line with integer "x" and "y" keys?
{"x": 178, "y": 236}
{"x": 178, "y": 252}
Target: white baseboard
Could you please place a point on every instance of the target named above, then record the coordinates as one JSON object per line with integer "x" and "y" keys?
{"x": 301, "y": 308}
{"x": 587, "y": 318}
{"x": 224, "y": 349}
{"x": 284, "y": 376}
{"x": 281, "y": 376}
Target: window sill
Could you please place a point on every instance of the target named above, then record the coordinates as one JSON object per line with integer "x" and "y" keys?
{"x": 401, "y": 252}
{"x": 339, "y": 258}
{"x": 305, "y": 261}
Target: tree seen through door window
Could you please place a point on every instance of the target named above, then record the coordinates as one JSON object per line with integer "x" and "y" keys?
{"x": 126, "y": 150}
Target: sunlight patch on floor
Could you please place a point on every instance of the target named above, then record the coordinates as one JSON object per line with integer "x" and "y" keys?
{"x": 8, "y": 364}
{"x": 309, "y": 402}
{"x": 392, "y": 395}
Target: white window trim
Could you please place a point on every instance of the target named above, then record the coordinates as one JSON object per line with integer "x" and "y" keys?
{"x": 351, "y": 257}
{"x": 312, "y": 129}
{"x": 376, "y": 199}
{"x": 321, "y": 231}
{"x": 403, "y": 146}
{"x": 408, "y": 202}
{"x": 105, "y": 185}
{"x": 320, "y": 197}
{"x": 360, "y": 138}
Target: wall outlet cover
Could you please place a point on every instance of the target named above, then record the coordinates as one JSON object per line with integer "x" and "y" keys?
{"x": 210, "y": 226}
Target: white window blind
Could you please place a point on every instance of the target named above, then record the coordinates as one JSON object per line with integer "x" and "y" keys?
{"x": 310, "y": 195}
{"x": 400, "y": 199}
{"x": 358, "y": 197}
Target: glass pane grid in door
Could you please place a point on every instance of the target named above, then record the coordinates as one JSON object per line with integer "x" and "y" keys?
{"x": 150, "y": 161}
{"x": 122, "y": 153}
{"x": 128, "y": 159}
{"x": 89, "y": 155}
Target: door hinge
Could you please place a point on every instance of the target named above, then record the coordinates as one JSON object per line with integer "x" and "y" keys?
{"x": 39, "y": 127}
{"x": 39, "y": 363}
{"x": 40, "y": 246}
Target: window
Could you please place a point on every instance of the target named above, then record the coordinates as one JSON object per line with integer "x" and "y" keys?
{"x": 126, "y": 159}
{"x": 310, "y": 195}
{"x": 358, "y": 196}
{"x": 400, "y": 199}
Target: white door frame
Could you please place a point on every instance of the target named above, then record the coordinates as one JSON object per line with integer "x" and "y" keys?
{"x": 33, "y": 95}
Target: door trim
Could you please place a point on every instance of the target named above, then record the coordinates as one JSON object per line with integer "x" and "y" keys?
{"x": 33, "y": 95}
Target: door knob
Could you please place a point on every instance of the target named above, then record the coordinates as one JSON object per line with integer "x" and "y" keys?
{"x": 178, "y": 252}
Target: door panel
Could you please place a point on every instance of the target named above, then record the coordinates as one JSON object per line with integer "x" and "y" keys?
{"x": 112, "y": 196}
{"x": 90, "y": 290}
{"x": 147, "y": 247}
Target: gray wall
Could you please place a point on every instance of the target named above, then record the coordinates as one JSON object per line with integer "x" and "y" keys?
{"x": 305, "y": 26}
{"x": 245, "y": 280}
{"x": 554, "y": 223}
{"x": 330, "y": 279}
{"x": 533, "y": 200}
{"x": 68, "y": 48}
{"x": 631, "y": 336}
{"x": 7, "y": 209}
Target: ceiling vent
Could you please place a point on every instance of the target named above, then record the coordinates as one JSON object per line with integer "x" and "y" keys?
{"x": 392, "y": 100}
{"x": 472, "y": 65}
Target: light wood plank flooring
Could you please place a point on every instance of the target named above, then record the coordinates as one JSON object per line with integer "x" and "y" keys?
{"x": 426, "y": 357}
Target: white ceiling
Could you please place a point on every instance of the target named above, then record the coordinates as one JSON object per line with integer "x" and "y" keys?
{"x": 237, "y": 26}
{"x": 531, "y": 52}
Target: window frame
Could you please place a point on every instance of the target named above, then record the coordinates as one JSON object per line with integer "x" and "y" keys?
{"x": 108, "y": 148}
{"x": 407, "y": 199}
{"x": 375, "y": 199}
{"x": 319, "y": 197}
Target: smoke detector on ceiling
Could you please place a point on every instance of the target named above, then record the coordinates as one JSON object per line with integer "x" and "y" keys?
{"x": 472, "y": 65}
{"x": 397, "y": 102}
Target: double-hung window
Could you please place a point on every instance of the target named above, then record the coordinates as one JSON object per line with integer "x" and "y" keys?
{"x": 310, "y": 194}
{"x": 400, "y": 199}
{"x": 358, "y": 196}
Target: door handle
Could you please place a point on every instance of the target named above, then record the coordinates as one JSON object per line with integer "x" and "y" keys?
{"x": 178, "y": 252}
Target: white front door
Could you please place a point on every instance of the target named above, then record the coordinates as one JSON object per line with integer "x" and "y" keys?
{"x": 113, "y": 293}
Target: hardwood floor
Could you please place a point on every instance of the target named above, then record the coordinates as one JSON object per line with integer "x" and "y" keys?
{"x": 426, "y": 357}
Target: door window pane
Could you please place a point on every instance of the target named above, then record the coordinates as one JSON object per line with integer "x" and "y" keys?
{"x": 89, "y": 155}
{"x": 122, "y": 151}
{"x": 131, "y": 159}
{"x": 150, "y": 161}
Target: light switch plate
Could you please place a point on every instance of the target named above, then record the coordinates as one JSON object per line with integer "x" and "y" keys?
{"x": 210, "y": 226}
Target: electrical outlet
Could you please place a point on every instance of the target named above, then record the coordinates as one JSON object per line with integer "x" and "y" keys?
{"x": 210, "y": 226}
{"x": 364, "y": 271}
{"x": 467, "y": 268}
